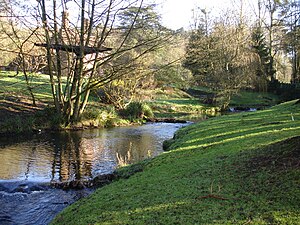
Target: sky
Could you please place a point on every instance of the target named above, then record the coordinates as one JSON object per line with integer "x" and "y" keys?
{"x": 177, "y": 13}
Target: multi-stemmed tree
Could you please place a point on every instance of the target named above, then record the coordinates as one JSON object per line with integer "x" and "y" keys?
{"x": 92, "y": 49}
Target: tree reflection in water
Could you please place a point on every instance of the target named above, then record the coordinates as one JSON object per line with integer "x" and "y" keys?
{"x": 66, "y": 156}
{"x": 72, "y": 158}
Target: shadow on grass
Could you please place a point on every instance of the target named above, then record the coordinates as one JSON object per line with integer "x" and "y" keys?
{"x": 242, "y": 173}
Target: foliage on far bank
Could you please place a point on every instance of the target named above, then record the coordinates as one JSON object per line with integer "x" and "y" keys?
{"x": 228, "y": 53}
{"x": 234, "y": 169}
{"x": 167, "y": 102}
{"x": 137, "y": 110}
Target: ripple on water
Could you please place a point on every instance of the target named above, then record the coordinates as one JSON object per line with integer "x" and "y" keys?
{"x": 27, "y": 166}
{"x": 33, "y": 203}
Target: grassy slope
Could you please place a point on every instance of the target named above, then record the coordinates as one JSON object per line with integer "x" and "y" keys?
{"x": 175, "y": 103}
{"x": 12, "y": 84}
{"x": 243, "y": 98}
{"x": 182, "y": 108}
{"x": 237, "y": 169}
{"x": 254, "y": 99}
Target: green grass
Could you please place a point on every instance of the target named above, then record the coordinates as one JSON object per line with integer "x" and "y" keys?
{"x": 189, "y": 108}
{"x": 182, "y": 108}
{"x": 175, "y": 103}
{"x": 244, "y": 98}
{"x": 235, "y": 169}
{"x": 12, "y": 85}
{"x": 254, "y": 99}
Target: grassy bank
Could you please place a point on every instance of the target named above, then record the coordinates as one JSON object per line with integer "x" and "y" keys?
{"x": 237, "y": 169}
{"x": 254, "y": 99}
{"x": 19, "y": 115}
{"x": 182, "y": 108}
{"x": 243, "y": 99}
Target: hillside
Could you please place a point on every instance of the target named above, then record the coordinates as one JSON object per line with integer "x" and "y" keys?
{"x": 236, "y": 169}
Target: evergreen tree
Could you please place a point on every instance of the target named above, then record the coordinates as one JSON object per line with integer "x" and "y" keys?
{"x": 265, "y": 69}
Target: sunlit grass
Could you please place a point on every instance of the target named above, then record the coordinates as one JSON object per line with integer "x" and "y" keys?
{"x": 15, "y": 84}
{"x": 237, "y": 169}
{"x": 182, "y": 108}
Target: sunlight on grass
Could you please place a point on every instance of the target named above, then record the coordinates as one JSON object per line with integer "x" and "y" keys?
{"x": 237, "y": 169}
{"x": 241, "y": 138}
{"x": 182, "y": 108}
{"x": 252, "y": 99}
{"x": 12, "y": 83}
{"x": 240, "y": 133}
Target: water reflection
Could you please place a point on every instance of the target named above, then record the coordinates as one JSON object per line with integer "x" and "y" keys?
{"x": 79, "y": 155}
{"x": 72, "y": 159}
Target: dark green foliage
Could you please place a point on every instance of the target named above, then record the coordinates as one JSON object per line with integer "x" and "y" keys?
{"x": 42, "y": 119}
{"x": 48, "y": 118}
{"x": 286, "y": 92}
{"x": 145, "y": 18}
{"x": 265, "y": 68}
{"x": 137, "y": 110}
{"x": 198, "y": 55}
{"x": 167, "y": 144}
{"x": 18, "y": 124}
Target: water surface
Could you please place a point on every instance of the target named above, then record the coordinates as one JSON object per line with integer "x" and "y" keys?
{"x": 29, "y": 164}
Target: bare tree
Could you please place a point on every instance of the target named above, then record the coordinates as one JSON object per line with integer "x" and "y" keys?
{"x": 80, "y": 50}
{"x": 18, "y": 39}
{"x": 222, "y": 59}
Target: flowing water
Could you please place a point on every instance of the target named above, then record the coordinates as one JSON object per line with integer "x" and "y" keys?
{"x": 29, "y": 164}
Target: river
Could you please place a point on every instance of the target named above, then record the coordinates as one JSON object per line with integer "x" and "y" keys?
{"x": 30, "y": 163}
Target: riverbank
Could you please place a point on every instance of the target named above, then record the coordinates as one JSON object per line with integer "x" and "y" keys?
{"x": 49, "y": 171}
{"x": 234, "y": 169}
{"x": 18, "y": 114}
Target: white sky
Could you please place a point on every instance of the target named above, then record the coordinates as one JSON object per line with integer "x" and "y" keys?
{"x": 178, "y": 13}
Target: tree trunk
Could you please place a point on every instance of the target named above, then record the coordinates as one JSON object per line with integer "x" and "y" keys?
{"x": 80, "y": 65}
{"x": 49, "y": 57}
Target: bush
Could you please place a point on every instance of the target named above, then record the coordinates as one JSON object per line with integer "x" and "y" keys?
{"x": 48, "y": 117}
{"x": 146, "y": 109}
{"x": 104, "y": 116}
{"x": 137, "y": 110}
{"x": 91, "y": 114}
{"x": 167, "y": 144}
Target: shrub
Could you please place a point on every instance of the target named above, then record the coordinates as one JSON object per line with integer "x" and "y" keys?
{"x": 137, "y": 110}
{"x": 167, "y": 144}
{"x": 90, "y": 114}
{"x": 146, "y": 109}
{"x": 103, "y": 116}
{"x": 18, "y": 124}
{"x": 48, "y": 117}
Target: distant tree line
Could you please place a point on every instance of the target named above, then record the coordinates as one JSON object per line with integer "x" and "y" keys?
{"x": 117, "y": 50}
{"x": 230, "y": 52}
